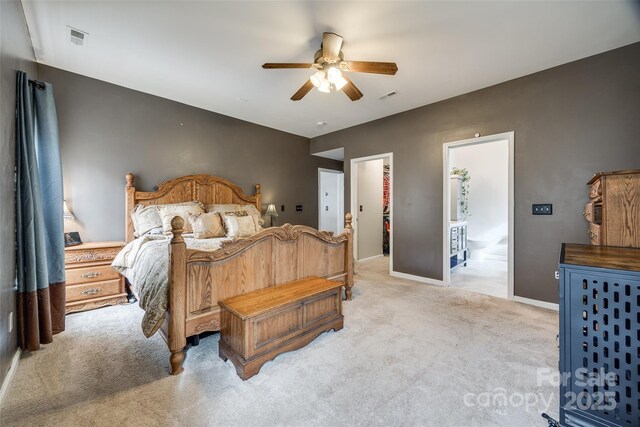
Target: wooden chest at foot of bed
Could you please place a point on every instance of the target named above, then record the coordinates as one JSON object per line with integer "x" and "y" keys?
{"x": 258, "y": 326}
{"x": 91, "y": 281}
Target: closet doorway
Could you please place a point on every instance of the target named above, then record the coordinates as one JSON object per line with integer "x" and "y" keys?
{"x": 478, "y": 211}
{"x": 372, "y": 208}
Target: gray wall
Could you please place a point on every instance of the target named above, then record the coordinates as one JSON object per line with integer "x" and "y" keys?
{"x": 108, "y": 130}
{"x": 570, "y": 122}
{"x": 16, "y": 53}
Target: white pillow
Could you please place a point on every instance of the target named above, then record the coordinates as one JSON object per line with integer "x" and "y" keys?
{"x": 145, "y": 220}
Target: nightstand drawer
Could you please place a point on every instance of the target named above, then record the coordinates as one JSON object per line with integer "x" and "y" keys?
{"x": 92, "y": 253}
{"x": 91, "y": 274}
{"x": 93, "y": 290}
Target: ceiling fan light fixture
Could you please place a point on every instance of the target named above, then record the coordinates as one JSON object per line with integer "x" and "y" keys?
{"x": 334, "y": 74}
{"x": 328, "y": 69}
{"x": 325, "y": 86}
{"x": 340, "y": 82}
{"x": 317, "y": 78}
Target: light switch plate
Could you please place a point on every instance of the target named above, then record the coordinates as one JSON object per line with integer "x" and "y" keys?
{"x": 542, "y": 209}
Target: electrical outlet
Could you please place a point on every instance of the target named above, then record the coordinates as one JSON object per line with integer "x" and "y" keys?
{"x": 542, "y": 209}
{"x": 298, "y": 208}
{"x": 10, "y": 322}
{"x": 557, "y": 275}
{"x": 281, "y": 208}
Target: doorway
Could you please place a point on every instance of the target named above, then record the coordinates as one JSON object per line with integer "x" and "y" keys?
{"x": 478, "y": 211}
{"x": 372, "y": 207}
{"x": 331, "y": 200}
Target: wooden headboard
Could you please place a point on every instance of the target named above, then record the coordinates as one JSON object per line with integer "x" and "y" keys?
{"x": 207, "y": 189}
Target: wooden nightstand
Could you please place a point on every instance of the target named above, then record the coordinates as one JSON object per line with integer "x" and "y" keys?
{"x": 91, "y": 281}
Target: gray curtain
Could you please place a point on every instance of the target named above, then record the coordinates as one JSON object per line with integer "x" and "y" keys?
{"x": 39, "y": 220}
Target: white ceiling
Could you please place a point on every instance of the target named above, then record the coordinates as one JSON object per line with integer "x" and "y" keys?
{"x": 335, "y": 154}
{"x": 208, "y": 53}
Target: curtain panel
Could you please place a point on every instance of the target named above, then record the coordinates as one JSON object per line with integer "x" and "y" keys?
{"x": 39, "y": 220}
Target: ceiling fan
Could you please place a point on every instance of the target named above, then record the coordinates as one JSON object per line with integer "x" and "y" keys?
{"x": 330, "y": 65}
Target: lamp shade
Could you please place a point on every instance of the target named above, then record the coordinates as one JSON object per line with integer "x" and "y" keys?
{"x": 333, "y": 75}
{"x": 325, "y": 86}
{"x": 340, "y": 82}
{"x": 271, "y": 210}
{"x": 317, "y": 78}
{"x": 67, "y": 214}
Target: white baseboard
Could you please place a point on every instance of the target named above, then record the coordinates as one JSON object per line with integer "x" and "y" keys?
{"x": 543, "y": 304}
{"x": 371, "y": 257}
{"x": 417, "y": 278}
{"x": 9, "y": 378}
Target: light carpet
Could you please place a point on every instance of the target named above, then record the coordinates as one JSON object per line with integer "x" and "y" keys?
{"x": 409, "y": 354}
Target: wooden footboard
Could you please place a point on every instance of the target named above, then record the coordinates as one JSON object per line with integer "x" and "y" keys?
{"x": 276, "y": 255}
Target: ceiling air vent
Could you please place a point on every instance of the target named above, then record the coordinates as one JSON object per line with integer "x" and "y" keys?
{"x": 389, "y": 95}
{"x": 77, "y": 37}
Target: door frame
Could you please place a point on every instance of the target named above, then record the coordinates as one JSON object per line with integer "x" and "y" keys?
{"x": 446, "y": 205}
{"x": 340, "y": 220}
{"x": 354, "y": 201}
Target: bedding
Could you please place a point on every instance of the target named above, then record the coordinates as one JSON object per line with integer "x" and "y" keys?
{"x": 239, "y": 226}
{"x": 168, "y": 212}
{"x": 146, "y": 219}
{"x": 248, "y": 209}
{"x": 207, "y": 225}
{"x": 145, "y": 263}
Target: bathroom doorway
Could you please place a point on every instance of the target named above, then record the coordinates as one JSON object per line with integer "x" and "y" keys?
{"x": 478, "y": 215}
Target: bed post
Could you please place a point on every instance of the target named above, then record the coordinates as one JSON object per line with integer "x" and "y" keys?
{"x": 177, "y": 339}
{"x": 349, "y": 261}
{"x": 129, "y": 203}
{"x": 259, "y": 198}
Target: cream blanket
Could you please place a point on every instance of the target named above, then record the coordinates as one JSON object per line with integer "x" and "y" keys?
{"x": 145, "y": 263}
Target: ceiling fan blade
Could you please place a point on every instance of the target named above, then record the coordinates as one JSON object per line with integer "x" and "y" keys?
{"x": 351, "y": 90}
{"x": 302, "y": 91}
{"x": 389, "y": 68}
{"x": 275, "y": 65}
{"x": 331, "y": 44}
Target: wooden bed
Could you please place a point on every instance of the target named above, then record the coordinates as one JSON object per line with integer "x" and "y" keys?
{"x": 199, "y": 279}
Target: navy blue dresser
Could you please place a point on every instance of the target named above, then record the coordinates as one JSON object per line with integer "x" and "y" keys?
{"x": 599, "y": 336}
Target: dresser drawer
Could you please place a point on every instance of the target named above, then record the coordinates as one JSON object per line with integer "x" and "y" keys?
{"x": 91, "y": 253}
{"x": 91, "y": 274}
{"x": 595, "y": 190}
{"x": 594, "y": 234}
{"x": 93, "y": 290}
{"x": 593, "y": 212}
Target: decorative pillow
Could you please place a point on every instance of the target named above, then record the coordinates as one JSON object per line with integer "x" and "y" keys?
{"x": 168, "y": 212}
{"x": 224, "y": 207}
{"x": 239, "y": 226}
{"x": 249, "y": 209}
{"x": 235, "y": 213}
{"x": 255, "y": 213}
{"x": 145, "y": 220}
{"x": 206, "y": 225}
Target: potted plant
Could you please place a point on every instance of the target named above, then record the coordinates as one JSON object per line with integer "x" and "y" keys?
{"x": 463, "y": 173}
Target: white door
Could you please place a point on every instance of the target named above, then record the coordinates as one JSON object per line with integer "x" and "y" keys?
{"x": 330, "y": 200}
{"x": 369, "y": 206}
